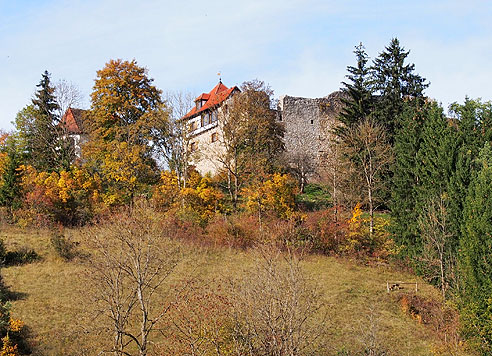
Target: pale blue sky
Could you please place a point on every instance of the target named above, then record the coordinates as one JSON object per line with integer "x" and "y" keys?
{"x": 299, "y": 47}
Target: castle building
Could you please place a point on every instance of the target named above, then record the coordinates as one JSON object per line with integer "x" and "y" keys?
{"x": 205, "y": 128}
{"x": 308, "y": 125}
{"x": 72, "y": 123}
{"x": 308, "y": 137}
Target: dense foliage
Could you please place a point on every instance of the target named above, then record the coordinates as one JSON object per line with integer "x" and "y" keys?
{"x": 422, "y": 176}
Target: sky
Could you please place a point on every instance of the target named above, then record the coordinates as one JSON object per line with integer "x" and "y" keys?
{"x": 298, "y": 47}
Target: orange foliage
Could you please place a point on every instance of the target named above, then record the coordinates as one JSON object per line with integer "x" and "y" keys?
{"x": 61, "y": 196}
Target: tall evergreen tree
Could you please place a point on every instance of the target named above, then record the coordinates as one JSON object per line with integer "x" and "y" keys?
{"x": 435, "y": 167}
{"x": 394, "y": 80}
{"x": 469, "y": 139}
{"x": 408, "y": 140}
{"x": 44, "y": 147}
{"x": 358, "y": 101}
{"x": 476, "y": 256}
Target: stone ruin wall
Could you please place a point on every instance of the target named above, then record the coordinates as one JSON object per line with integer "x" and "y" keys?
{"x": 308, "y": 127}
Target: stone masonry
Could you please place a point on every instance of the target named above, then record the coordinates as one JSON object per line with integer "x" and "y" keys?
{"x": 308, "y": 127}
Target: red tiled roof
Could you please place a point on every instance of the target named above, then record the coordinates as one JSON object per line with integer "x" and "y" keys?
{"x": 216, "y": 96}
{"x": 73, "y": 120}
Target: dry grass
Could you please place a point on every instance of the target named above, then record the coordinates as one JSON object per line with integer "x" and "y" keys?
{"x": 53, "y": 303}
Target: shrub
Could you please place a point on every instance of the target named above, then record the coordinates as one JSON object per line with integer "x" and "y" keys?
{"x": 238, "y": 231}
{"x": 21, "y": 256}
{"x": 63, "y": 247}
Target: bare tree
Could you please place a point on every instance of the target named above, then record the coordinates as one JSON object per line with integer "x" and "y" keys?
{"x": 436, "y": 232}
{"x": 174, "y": 146}
{"x": 131, "y": 261}
{"x": 68, "y": 95}
{"x": 276, "y": 307}
{"x": 366, "y": 146}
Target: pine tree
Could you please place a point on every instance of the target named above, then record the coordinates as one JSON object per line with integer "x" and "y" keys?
{"x": 394, "y": 81}
{"x": 358, "y": 101}
{"x": 469, "y": 140}
{"x": 44, "y": 145}
{"x": 476, "y": 255}
{"x": 435, "y": 158}
{"x": 408, "y": 140}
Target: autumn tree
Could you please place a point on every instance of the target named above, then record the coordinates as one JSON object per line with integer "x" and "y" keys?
{"x": 122, "y": 122}
{"x": 130, "y": 263}
{"x": 252, "y": 137}
{"x": 174, "y": 145}
{"x": 275, "y": 307}
{"x": 438, "y": 256}
{"x": 367, "y": 147}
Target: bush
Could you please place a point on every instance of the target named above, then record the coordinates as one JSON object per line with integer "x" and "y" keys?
{"x": 238, "y": 231}
{"x": 22, "y": 256}
{"x": 63, "y": 247}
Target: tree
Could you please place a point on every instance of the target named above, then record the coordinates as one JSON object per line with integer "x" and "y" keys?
{"x": 359, "y": 101}
{"x": 408, "y": 140}
{"x": 39, "y": 130}
{"x": 393, "y": 80}
{"x": 274, "y": 307}
{"x": 435, "y": 159}
{"x": 476, "y": 255}
{"x": 252, "y": 137}
{"x": 131, "y": 261}
{"x": 472, "y": 121}
{"x": 372, "y": 155}
{"x": 437, "y": 236}
{"x": 122, "y": 122}
{"x": 10, "y": 160}
{"x": 174, "y": 145}
{"x": 67, "y": 95}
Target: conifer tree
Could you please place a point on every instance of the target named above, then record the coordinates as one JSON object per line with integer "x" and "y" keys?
{"x": 470, "y": 139}
{"x": 408, "y": 140}
{"x": 476, "y": 255}
{"x": 435, "y": 158}
{"x": 358, "y": 101}
{"x": 393, "y": 81}
{"x": 44, "y": 147}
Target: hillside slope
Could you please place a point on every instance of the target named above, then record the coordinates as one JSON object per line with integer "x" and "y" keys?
{"x": 54, "y": 303}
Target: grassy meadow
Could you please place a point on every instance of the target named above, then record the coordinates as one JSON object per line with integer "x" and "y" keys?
{"x": 54, "y": 300}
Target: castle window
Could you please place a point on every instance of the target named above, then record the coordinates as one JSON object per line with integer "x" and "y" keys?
{"x": 192, "y": 126}
{"x": 205, "y": 119}
{"x": 312, "y": 122}
{"x": 214, "y": 116}
{"x": 214, "y": 137}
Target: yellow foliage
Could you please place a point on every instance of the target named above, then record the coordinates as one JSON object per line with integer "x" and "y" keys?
{"x": 54, "y": 192}
{"x": 166, "y": 193}
{"x": 276, "y": 194}
{"x": 15, "y": 325}
{"x": 8, "y": 348}
{"x": 198, "y": 197}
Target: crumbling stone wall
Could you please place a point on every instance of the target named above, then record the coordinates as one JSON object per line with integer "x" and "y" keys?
{"x": 308, "y": 127}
